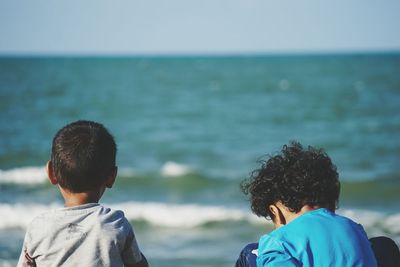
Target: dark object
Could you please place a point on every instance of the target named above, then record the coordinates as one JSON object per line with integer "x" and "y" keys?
{"x": 246, "y": 257}
{"x": 386, "y": 251}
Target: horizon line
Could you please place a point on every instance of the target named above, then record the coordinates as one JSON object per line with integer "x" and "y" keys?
{"x": 199, "y": 54}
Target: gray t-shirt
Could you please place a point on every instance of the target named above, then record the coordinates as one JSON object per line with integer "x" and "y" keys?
{"x": 86, "y": 235}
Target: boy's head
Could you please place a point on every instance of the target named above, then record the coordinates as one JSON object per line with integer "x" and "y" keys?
{"x": 295, "y": 178}
{"x": 83, "y": 156}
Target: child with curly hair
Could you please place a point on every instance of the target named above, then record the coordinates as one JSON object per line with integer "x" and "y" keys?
{"x": 299, "y": 190}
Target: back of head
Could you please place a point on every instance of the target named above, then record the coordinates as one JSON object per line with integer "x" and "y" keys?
{"x": 296, "y": 177}
{"x": 83, "y": 156}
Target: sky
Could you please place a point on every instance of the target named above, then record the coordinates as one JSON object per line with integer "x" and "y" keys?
{"x": 131, "y": 27}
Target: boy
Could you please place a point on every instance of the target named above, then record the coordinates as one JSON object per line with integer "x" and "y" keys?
{"x": 299, "y": 190}
{"x": 83, "y": 233}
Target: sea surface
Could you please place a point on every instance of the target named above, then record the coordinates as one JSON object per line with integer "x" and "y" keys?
{"x": 190, "y": 129}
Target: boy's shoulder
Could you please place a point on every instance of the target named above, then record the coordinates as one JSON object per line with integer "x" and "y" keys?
{"x": 78, "y": 229}
{"x": 42, "y": 219}
{"x": 110, "y": 216}
{"x": 69, "y": 225}
{"x": 83, "y": 216}
{"x": 314, "y": 221}
{"x": 313, "y": 225}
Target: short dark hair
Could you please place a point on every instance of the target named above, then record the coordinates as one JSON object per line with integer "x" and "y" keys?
{"x": 83, "y": 156}
{"x": 295, "y": 177}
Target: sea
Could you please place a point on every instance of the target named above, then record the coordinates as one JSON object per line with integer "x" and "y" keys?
{"x": 189, "y": 129}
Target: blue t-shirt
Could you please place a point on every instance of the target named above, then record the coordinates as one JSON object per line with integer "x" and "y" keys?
{"x": 317, "y": 238}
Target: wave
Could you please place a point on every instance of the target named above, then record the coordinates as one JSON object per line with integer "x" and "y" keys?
{"x": 178, "y": 215}
{"x": 24, "y": 175}
{"x": 189, "y": 216}
{"x": 171, "y": 168}
{"x": 37, "y": 175}
{"x": 158, "y": 214}
{"x": 374, "y": 220}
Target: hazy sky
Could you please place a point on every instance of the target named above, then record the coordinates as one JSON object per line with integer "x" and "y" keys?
{"x": 203, "y": 26}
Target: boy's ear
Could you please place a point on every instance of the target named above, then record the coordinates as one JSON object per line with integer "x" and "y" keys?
{"x": 50, "y": 173}
{"x": 110, "y": 180}
{"x": 279, "y": 219}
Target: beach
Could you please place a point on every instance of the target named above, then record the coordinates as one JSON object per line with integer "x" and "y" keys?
{"x": 190, "y": 129}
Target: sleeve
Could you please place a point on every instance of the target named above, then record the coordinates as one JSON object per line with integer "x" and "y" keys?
{"x": 24, "y": 259}
{"x": 277, "y": 259}
{"x": 131, "y": 252}
{"x": 21, "y": 259}
{"x": 271, "y": 253}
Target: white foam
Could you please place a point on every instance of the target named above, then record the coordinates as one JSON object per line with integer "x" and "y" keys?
{"x": 23, "y": 175}
{"x": 376, "y": 223}
{"x": 19, "y": 215}
{"x": 158, "y": 214}
{"x": 190, "y": 215}
{"x": 175, "y": 215}
{"x": 171, "y": 168}
{"x": 126, "y": 171}
{"x": 392, "y": 223}
{"x": 6, "y": 263}
{"x": 366, "y": 217}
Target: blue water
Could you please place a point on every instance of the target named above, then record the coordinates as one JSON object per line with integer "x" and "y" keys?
{"x": 189, "y": 129}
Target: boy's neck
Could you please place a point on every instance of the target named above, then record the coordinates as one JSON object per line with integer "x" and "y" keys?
{"x": 284, "y": 215}
{"x": 76, "y": 199}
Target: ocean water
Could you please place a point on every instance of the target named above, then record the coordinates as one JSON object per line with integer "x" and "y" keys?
{"x": 190, "y": 129}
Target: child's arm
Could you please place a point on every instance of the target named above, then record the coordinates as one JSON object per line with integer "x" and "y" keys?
{"x": 277, "y": 259}
{"x": 131, "y": 255}
{"x": 142, "y": 263}
{"x": 26, "y": 260}
{"x": 272, "y": 253}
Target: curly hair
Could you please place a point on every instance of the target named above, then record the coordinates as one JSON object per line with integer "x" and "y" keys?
{"x": 295, "y": 177}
